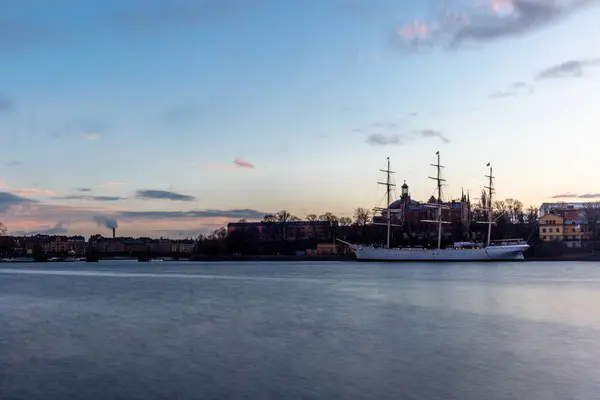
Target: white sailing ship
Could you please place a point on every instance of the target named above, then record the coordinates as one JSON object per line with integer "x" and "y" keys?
{"x": 505, "y": 250}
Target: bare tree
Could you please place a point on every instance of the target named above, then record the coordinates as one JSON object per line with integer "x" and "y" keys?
{"x": 312, "y": 217}
{"x": 591, "y": 212}
{"x": 270, "y": 218}
{"x": 532, "y": 217}
{"x": 3, "y": 229}
{"x": 362, "y": 216}
{"x": 345, "y": 221}
{"x": 329, "y": 217}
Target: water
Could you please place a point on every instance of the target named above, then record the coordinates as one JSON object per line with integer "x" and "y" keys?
{"x": 128, "y": 330}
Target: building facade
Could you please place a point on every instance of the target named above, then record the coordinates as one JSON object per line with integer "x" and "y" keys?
{"x": 565, "y": 222}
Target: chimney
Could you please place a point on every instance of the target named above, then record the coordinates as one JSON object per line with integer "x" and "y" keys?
{"x": 113, "y": 232}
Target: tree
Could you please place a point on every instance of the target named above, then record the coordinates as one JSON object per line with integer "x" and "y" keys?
{"x": 242, "y": 221}
{"x": 591, "y": 212}
{"x": 332, "y": 219}
{"x": 3, "y": 229}
{"x": 532, "y": 216}
{"x": 362, "y": 216}
{"x": 270, "y": 218}
{"x": 312, "y": 217}
{"x": 345, "y": 221}
{"x": 283, "y": 217}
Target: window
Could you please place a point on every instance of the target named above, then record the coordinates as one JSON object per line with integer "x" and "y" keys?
{"x": 550, "y": 230}
{"x": 543, "y": 237}
{"x": 543, "y": 229}
{"x": 574, "y": 230}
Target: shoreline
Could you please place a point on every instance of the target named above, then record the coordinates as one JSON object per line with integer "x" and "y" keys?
{"x": 294, "y": 258}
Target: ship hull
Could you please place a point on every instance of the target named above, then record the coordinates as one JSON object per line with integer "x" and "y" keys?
{"x": 493, "y": 253}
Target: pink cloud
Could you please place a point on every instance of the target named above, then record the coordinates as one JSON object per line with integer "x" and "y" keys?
{"x": 240, "y": 162}
{"x": 25, "y": 191}
{"x": 32, "y": 192}
{"x": 415, "y": 30}
{"x": 502, "y": 6}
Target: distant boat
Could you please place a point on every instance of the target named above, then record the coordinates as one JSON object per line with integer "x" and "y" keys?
{"x": 505, "y": 250}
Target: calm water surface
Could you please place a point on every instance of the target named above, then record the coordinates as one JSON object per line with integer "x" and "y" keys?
{"x": 128, "y": 330}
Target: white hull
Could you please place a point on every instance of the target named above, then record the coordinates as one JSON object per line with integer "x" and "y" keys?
{"x": 492, "y": 253}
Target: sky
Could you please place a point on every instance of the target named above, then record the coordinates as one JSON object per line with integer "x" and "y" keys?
{"x": 174, "y": 117}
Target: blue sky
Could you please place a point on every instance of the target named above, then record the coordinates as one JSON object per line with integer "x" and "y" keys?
{"x": 310, "y": 97}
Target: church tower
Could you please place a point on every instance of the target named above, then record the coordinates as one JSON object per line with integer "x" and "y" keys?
{"x": 405, "y": 197}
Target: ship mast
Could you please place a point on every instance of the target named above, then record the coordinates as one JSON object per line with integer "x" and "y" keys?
{"x": 488, "y": 207}
{"x": 439, "y": 206}
{"x": 389, "y": 185}
{"x": 490, "y": 220}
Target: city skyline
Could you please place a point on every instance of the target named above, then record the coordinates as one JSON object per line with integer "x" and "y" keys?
{"x": 176, "y": 117}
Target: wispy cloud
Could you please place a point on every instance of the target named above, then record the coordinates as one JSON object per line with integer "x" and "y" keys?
{"x": 113, "y": 183}
{"x": 516, "y": 89}
{"x": 212, "y": 213}
{"x": 32, "y": 192}
{"x": 240, "y": 162}
{"x": 84, "y": 190}
{"x": 431, "y": 133}
{"x": 92, "y": 198}
{"x": 379, "y": 139}
{"x": 8, "y": 200}
{"x": 570, "y": 195}
{"x": 162, "y": 195}
{"x": 14, "y": 164}
{"x": 92, "y": 136}
{"x": 567, "y": 69}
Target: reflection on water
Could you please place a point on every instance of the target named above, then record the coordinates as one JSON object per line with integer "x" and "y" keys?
{"x": 299, "y": 330}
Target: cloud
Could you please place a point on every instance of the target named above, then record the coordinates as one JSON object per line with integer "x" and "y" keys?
{"x": 243, "y": 163}
{"x": 84, "y": 190}
{"x": 379, "y": 139}
{"x": 516, "y": 89}
{"x": 91, "y": 136}
{"x": 519, "y": 17}
{"x": 570, "y": 195}
{"x": 211, "y": 213}
{"x": 57, "y": 229}
{"x": 107, "y": 222}
{"x": 91, "y": 198}
{"x": 415, "y": 31}
{"x": 14, "y": 164}
{"x": 8, "y": 200}
{"x": 567, "y": 69}
{"x": 113, "y": 183}
{"x": 32, "y": 192}
{"x": 430, "y": 133}
{"x": 26, "y": 192}
{"x": 162, "y": 195}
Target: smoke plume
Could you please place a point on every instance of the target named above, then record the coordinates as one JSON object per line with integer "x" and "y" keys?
{"x": 107, "y": 222}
